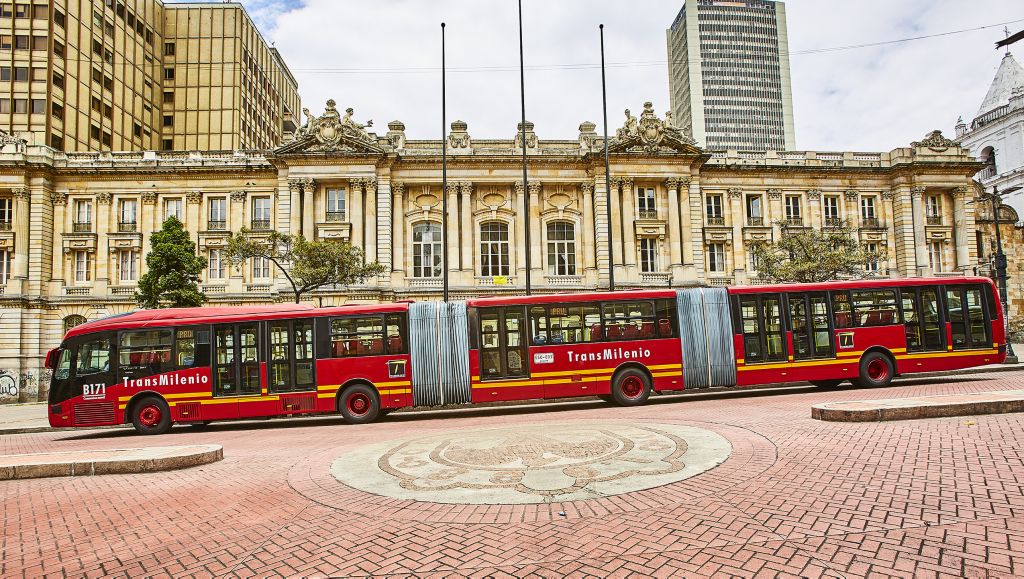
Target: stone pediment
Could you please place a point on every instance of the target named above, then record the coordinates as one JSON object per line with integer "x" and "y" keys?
{"x": 332, "y": 133}
{"x": 650, "y": 134}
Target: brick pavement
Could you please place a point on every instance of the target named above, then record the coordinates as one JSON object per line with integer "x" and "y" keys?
{"x": 797, "y": 497}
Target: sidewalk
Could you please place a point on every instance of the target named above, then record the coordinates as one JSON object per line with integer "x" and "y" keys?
{"x": 31, "y": 416}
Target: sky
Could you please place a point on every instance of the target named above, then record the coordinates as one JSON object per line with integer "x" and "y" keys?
{"x": 382, "y": 57}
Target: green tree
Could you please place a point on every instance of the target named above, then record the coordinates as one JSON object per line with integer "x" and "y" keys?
{"x": 307, "y": 265}
{"x": 808, "y": 255}
{"x": 173, "y": 277}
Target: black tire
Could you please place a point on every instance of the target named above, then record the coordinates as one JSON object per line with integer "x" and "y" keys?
{"x": 151, "y": 415}
{"x": 876, "y": 371}
{"x": 359, "y": 404}
{"x": 825, "y": 383}
{"x": 631, "y": 387}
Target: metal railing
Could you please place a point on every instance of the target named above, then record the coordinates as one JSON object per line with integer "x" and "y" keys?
{"x": 127, "y": 227}
{"x": 934, "y": 220}
{"x": 712, "y": 220}
{"x": 82, "y": 227}
{"x": 795, "y": 221}
{"x": 333, "y": 216}
{"x": 833, "y": 221}
{"x": 986, "y": 173}
{"x": 869, "y": 222}
{"x": 5, "y": 225}
{"x": 260, "y": 224}
{"x": 216, "y": 225}
{"x": 647, "y": 214}
{"x": 755, "y": 221}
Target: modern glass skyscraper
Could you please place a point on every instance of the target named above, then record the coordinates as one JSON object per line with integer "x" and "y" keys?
{"x": 729, "y": 74}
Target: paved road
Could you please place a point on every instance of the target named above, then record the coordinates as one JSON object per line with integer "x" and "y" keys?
{"x": 795, "y": 497}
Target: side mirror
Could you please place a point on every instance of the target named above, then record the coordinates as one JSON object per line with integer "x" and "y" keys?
{"x": 51, "y": 359}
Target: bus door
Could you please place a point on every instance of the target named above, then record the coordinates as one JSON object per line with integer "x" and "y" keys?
{"x": 504, "y": 369}
{"x": 236, "y": 370}
{"x": 923, "y": 319}
{"x": 290, "y": 363}
{"x": 93, "y": 373}
{"x": 811, "y": 326}
{"x": 969, "y": 323}
{"x": 760, "y": 317}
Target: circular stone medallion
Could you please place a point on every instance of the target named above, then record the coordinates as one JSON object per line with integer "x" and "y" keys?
{"x": 533, "y": 463}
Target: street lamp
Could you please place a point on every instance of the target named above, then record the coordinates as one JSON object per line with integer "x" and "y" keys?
{"x": 1000, "y": 263}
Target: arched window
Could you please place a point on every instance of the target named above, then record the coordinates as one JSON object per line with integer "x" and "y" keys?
{"x": 988, "y": 156}
{"x": 494, "y": 248}
{"x": 561, "y": 248}
{"x": 72, "y": 321}
{"x": 426, "y": 250}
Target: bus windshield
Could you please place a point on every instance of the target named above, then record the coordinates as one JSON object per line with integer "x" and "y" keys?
{"x": 60, "y": 384}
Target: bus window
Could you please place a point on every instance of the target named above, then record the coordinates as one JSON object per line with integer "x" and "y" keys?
{"x": 934, "y": 335}
{"x": 538, "y": 325}
{"x": 93, "y": 357}
{"x": 874, "y": 307}
{"x": 573, "y": 324}
{"x": 514, "y": 345}
{"x": 363, "y": 336}
{"x": 752, "y": 350}
{"x": 248, "y": 342}
{"x": 628, "y": 320}
{"x": 774, "y": 344}
{"x": 63, "y": 369}
{"x": 819, "y": 325}
{"x": 304, "y": 364}
{"x": 808, "y": 318}
{"x": 145, "y": 352}
{"x": 841, "y": 310}
{"x": 490, "y": 344}
{"x": 666, "y": 327}
{"x": 396, "y": 330}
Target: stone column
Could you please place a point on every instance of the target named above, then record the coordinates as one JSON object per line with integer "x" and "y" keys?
{"x": 520, "y": 249}
{"x": 920, "y": 239}
{"x": 308, "y": 208}
{"x": 536, "y": 238}
{"x": 618, "y": 254}
{"x": 40, "y": 224}
{"x": 963, "y": 225}
{"x": 59, "y": 200}
{"x": 193, "y": 201}
{"x": 889, "y": 219}
{"x": 466, "y": 257}
{"x": 774, "y": 212}
{"x": 355, "y": 217}
{"x": 602, "y": 245}
{"x": 22, "y": 215}
{"x": 587, "y": 233}
{"x": 148, "y": 222}
{"x": 295, "y": 206}
{"x": 236, "y": 210}
{"x": 685, "y": 240}
{"x": 903, "y": 232}
{"x": 696, "y": 240}
{"x": 453, "y": 230}
{"x": 629, "y": 228}
{"x": 371, "y": 219}
{"x": 102, "y": 277}
{"x": 398, "y": 265}
{"x": 814, "y": 209}
{"x": 675, "y": 241}
{"x": 739, "y": 251}
{"x": 384, "y": 236}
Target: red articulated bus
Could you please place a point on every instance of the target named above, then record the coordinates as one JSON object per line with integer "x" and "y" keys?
{"x": 154, "y": 368}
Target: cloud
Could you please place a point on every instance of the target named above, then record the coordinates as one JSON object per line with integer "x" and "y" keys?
{"x": 381, "y": 57}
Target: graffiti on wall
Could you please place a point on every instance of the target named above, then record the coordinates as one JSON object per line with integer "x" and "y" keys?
{"x": 8, "y": 388}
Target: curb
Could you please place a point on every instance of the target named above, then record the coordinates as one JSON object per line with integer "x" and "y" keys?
{"x": 188, "y": 456}
{"x": 904, "y": 409}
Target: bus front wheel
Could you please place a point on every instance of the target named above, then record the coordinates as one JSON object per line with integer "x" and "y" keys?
{"x": 359, "y": 404}
{"x": 151, "y": 416}
{"x": 876, "y": 370}
{"x": 631, "y": 387}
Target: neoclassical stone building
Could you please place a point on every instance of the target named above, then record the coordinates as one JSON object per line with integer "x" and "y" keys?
{"x": 75, "y": 227}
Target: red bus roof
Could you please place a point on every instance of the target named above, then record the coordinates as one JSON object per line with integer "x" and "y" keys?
{"x": 224, "y": 315}
{"x": 858, "y": 283}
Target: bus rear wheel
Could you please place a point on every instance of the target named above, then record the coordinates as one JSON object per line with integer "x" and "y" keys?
{"x": 876, "y": 370}
{"x": 359, "y": 404}
{"x": 631, "y": 387}
{"x": 151, "y": 416}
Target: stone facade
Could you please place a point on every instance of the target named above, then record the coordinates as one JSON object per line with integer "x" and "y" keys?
{"x": 74, "y": 242}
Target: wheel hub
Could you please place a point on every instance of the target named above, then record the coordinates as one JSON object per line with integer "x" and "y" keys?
{"x": 150, "y": 416}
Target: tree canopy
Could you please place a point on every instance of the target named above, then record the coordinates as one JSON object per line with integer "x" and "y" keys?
{"x": 307, "y": 265}
{"x": 809, "y": 255}
{"x": 172, "y": 279}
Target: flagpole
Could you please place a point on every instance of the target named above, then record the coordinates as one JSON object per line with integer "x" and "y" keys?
{"x": 444, "y": 175}
{"x": 607, "y": 174}
{"x": 522, "y": 131}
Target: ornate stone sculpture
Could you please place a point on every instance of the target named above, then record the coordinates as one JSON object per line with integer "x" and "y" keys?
{"x": 588, "y": 135}
{"x": 348, "y": 122}
{"x": 396, "y": 134}
{"x": 459, "y": 138}
{"x": 650, "y": 134}
{"x": 934, "y": 141}
{"x": 330, "y": 130}
{"x": 531, "y": 137}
